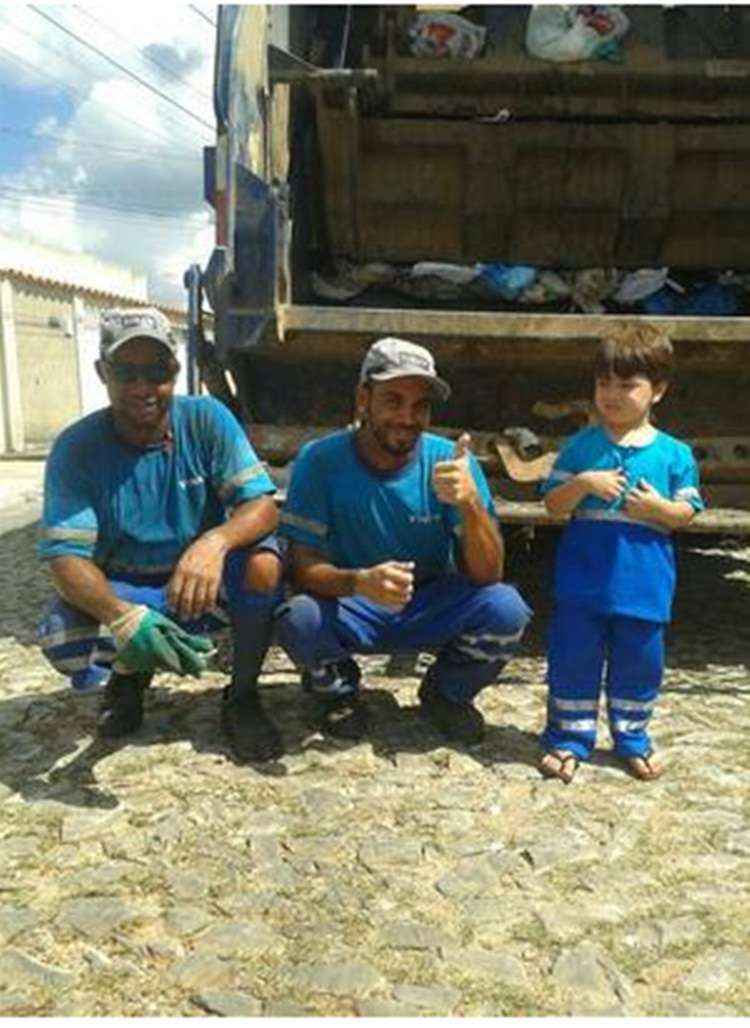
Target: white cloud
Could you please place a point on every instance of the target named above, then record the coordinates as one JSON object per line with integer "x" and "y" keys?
{"x": 123, "y": 146}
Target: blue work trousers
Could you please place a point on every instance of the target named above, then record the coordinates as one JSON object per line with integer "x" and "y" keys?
{"x": 82, "y": 650}
{"x": 587, "y": 650}
{"x": 474, "y": 629}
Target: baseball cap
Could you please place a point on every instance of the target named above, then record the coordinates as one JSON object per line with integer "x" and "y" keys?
{"x": 118, "y": 326}
{"x": 398, "y": 358}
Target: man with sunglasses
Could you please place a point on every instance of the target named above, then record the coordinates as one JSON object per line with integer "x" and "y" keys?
{"x": 158, "y": 525}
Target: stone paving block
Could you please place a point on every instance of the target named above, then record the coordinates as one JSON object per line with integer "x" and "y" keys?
{"x": 16, "y": 920}
{"x": 230, "y": 939}
{"x": 412, "y": 935}
{"x": 339, "y": 979}
{"x": 17, "y": 968}
{"x": 718, "y": 972}
{"x": 501, "y": 968}
{"x": 91, "y": 824}
{"x": 184, "y": 919}
{"x": 97, "y": 918}
{"x": 229, "y": 1004}
{"x": 438, "y": 999}
{"x": 201, "y": 971}
{"x": 379, "y": 853}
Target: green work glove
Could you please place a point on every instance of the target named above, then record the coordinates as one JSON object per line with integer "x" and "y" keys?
{"x": 147, "y": 641}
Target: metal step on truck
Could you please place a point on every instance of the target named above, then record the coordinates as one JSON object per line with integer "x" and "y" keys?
{"x": 368, "y": 184}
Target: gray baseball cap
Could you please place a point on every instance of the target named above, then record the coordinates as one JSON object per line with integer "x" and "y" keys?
{"x": 398, "y": 358}
{"x": 118, "y": 326}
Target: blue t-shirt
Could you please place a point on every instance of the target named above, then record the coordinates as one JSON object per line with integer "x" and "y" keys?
{"x": 607, "y": 561}
{"x": 134, "y": 510}
{"x": 358, "y": 516}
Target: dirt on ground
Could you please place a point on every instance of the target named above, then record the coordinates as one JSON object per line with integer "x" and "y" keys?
{"x": 397, "y": 876}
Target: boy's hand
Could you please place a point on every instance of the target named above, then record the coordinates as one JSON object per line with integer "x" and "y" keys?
{"x": 452, "y": 479}
{"x": 607, "y": 485}
{"x": 643, "y": 501}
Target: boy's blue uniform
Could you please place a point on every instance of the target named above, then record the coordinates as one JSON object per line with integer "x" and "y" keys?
{"x": 133, "y": 511}
{"x": 359, "y": 517}
{"x": 614, "y": 584}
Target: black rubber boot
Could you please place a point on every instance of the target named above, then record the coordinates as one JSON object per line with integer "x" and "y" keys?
{"x": 343, "y": 718}
{"x": 458, "y": 722}
{"x": 122, "y": 710}
{"x": 251, "y": 734}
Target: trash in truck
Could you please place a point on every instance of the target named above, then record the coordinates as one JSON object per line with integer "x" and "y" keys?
{"x": 702, "y": 299}
{"x": 346, "y": 280}
{"x": 583, "y": 32}
{"x": 506, "y": 281}
{"x": 499, "y": 286}
{"x": 446, "y": 35}
{"x": 637, "y": 285}
{"x": 592, "y": 286}
{"x": 549, "y": 287}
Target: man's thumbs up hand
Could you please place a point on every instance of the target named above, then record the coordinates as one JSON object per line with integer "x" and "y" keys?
{"x": 452, "y": 479}
{"x": 462, "y": 447}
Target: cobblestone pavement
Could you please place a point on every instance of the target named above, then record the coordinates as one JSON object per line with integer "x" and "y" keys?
{"x": 397, "y": 876}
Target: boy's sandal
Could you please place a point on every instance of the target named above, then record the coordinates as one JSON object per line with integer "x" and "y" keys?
{"x": 645, "y": 768}
{"x": 560, "y": 764}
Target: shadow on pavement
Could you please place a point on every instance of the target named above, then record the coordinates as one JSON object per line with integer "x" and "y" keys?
{"x": 50, "y": 750}
{"x": 47, "y": 745}
{"x": 710, "y": 623}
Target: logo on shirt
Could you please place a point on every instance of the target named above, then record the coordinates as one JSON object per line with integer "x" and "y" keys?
{"x": 423, "y": 519}
{"x": 197, "y": 480}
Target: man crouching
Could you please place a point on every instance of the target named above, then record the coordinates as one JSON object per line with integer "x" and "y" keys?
{"x": 158, "y": 516}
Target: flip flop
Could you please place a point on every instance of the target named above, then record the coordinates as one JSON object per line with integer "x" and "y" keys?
{"x": 567, "y": 765}
{"x": 642, "y": 767}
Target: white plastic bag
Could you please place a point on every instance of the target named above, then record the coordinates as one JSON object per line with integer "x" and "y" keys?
{"x": 575, "y": 32}
{"x": 637, "y": 285}
{"x": 456, "y": 274}
{"x": 446, "y": 35}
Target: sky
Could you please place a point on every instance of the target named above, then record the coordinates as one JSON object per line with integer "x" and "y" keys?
{"x": 92, "y": 160}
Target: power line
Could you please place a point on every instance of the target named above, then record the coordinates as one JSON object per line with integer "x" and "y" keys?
{"x": 146, "y": 56}
{"x": 100, "y": 199}
{"x": 72, "y": 91}
{"x": 88, "y": 211}
{"x": 120, "y": 67}
{"x": 99, "y": 145}
{"x": 200, "y": 14}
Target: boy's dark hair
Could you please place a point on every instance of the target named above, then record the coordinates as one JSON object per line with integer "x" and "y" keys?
{"x": 635, "y": 350}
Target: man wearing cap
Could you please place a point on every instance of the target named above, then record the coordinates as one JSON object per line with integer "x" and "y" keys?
{"x": 156, "y": 509}
{"x": 394, "y": 546}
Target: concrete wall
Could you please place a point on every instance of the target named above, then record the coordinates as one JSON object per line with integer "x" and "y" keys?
{"x": 47, "y": 361}
{"x": 49, "y": 342}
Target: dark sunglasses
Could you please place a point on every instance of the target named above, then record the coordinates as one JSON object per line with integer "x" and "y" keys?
{"x": 154, "y": 374}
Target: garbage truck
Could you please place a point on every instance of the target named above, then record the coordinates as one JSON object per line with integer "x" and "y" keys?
{"x": 368, "y": 180}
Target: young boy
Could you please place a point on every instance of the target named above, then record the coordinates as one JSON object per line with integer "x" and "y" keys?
{"x": 627, "y": 486}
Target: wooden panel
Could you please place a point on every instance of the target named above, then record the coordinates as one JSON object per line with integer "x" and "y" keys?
{"x": 395, "y": 232}
{"x": 410, "y": 205}
{"x": 412, "y": 175}
{"x": 550, "y": 179}
{"x": 717, "y": 180}
{"x": 564, "y": 239}
{"x": 708, "y": 241}
{"x": 339, "y": 151}
{"x": 551, "y": 194}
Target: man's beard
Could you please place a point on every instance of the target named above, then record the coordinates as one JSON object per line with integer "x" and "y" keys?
{"x": 394, "y": 449}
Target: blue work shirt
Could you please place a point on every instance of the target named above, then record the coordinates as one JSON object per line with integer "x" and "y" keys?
{"x": 359, "y": 516}
{"x": 133, "y": 510}
{"x": 608, "y": 561}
